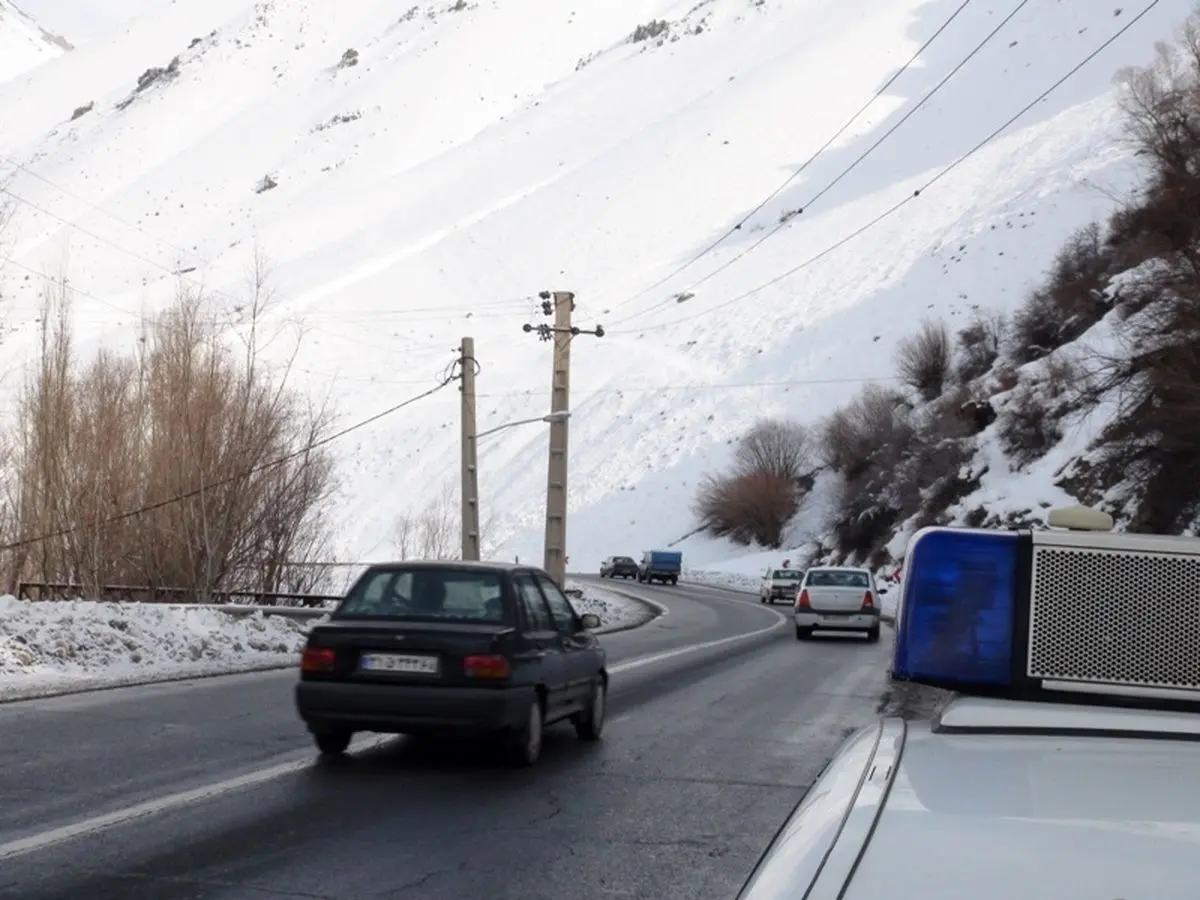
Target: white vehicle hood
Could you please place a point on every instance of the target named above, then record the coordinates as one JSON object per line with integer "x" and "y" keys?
{"x": 991, "y": 817}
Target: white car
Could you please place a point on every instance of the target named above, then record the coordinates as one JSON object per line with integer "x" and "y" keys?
{"x": 1068, "y": 765}
{"x": 837, "y": 598}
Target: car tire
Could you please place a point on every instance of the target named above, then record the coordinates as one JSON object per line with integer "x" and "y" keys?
{"x": 333, "y": 743}
{"x": 873, "y": 635}
{"x": 803, "y": 634}
{"x": 590, "y": 723}
{"x": 525, "y": 745}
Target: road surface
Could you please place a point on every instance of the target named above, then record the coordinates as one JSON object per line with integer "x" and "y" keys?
{"x": 209, "y": 790}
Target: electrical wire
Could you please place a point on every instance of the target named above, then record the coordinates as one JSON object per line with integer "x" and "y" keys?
{"x": 896, "y": 207}
{"x": 448, "y": 377}
{"x": 799, "y": 382}
{"x": 875, "y": 98}
{"x": 845, "y": 172}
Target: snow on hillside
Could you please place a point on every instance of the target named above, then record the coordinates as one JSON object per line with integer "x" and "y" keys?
{"x": 88, "y": 20}
{"x": 417, "y": 176}
{"x": 24, "y": 44}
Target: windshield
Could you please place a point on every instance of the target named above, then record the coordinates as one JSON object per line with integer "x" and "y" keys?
{"x": 624, "y": 560}
{"x": 838, "y": 578}
{"x": 786, "y": 575}
{"x": 425, "y": 594}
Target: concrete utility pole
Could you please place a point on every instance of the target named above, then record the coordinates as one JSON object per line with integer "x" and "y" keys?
{"x": 470, "y": 460}
{"x": 560, "y": 305}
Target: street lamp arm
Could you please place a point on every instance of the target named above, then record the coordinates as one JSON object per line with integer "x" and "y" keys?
{"x": 560, "y": 416}
{"x": 480, "y": 434}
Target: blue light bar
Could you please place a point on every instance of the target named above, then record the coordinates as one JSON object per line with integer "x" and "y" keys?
{"x": 959, "y": 608}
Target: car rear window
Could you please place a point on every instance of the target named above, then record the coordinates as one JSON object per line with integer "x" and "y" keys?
{"x": 837, "y": 578}
{"x": 426, "y": 594}
{"x": 786, "y": 575}
{"x": 623, "y": 559}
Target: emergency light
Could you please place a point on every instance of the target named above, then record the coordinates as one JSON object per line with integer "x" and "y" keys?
{"x": 1058, "y": 612}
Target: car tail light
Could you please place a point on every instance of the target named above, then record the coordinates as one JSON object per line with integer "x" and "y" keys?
{"x": 802, "y": 600}
{"x": 491, "y": 665}
{"x": 868, "y": 601}
{"x": 317, "y": 659}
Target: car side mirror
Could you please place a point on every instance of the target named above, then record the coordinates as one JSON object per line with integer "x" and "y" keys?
{"x": 589, "y": 621}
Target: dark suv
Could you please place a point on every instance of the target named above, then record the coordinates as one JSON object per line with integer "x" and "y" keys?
{"x": 618, "y": 567}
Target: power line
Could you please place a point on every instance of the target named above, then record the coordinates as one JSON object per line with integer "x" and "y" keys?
{"x": 787, "y": 181}
{"x": 97, "y": 207}
{"x": 896, "y": 207}
{"x": 853, "y": 165}
{"x": 798, "y": 382}
{"x": 447, "y": 378}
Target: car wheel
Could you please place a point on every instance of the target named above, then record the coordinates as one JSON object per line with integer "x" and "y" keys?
{"x": 333, "y": 743}
{"x": 873, "y": 635}
{"x": 590, "y": 723}
{"x": 526, "y": 745}
{"x": 803, "y": 634}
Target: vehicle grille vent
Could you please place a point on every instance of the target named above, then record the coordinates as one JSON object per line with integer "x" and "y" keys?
{"x": 1116, "y": 617}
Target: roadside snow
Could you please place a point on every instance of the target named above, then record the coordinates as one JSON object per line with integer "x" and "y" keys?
{"x": 49, "y": 648}
{"x": 732, "y": 575}
{"x": 617, "y": 612}
{"x": 56, "y": 647}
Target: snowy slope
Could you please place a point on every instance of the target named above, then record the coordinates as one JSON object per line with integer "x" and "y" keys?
{"x": 476, "y": 153}
{"x": 86, "y": 20}
{"x": 24, "y": 44}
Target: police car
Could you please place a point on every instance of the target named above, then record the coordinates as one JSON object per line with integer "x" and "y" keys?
{"x": 1066, "y": 766}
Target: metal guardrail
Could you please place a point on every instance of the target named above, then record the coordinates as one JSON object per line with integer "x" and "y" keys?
{"x": 121, "y": 593}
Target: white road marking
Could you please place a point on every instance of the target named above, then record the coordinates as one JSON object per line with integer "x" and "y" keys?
{"x": 75, "y": 830}
{"x": 162, "y": 804}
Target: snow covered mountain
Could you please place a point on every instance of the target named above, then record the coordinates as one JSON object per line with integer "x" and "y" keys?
{"x": 81, "y": 21}
{"x": 24, "y": 43}
{"x": 420, "y": 175}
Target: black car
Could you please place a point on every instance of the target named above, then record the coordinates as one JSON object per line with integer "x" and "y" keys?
{"x": 619, "y": 567}
{"x": 453, "y": 648}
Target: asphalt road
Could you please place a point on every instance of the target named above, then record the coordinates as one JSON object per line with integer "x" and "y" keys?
{"x": 704, "y": 755}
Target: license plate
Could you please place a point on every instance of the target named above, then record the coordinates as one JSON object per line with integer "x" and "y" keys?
{"x": 397, "y": 662}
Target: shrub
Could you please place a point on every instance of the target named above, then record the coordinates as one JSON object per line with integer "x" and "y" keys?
{"x": 894, "y": 463}
{"x": 979, "y": 345}
{"x": 923, "y": 360}
{"x": 854, "y": 436}
{"x": 750, "y": 507}
{"x": 1069, "y": 303}
{"x": 755, "y": 500}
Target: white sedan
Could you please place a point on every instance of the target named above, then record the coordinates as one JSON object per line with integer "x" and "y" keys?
{"x": 837, "y": 598}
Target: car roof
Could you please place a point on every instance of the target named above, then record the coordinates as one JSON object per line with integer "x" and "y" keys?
{"x": 997, "y": 805}
{"x": 838, "y": 569}
{"x": 466, "y": 565}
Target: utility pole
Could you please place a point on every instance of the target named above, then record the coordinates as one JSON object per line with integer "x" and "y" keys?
{"x": 470, "y": 461}
{"x": 560, "y": 305}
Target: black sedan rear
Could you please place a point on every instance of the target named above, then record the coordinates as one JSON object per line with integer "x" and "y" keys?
{"x": 453, "y": 648}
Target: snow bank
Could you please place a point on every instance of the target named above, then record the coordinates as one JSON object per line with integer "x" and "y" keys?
{"x": 617, "y": 612}
{"x": 59, "y": 647}
{"x": 49, "y": 648}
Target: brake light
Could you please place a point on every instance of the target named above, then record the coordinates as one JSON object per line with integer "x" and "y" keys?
{"x": 491, "y": 665}
{"x": 802, "y": 600}
{"x": 317, "y": 659}
{"x": 868, "y": 601}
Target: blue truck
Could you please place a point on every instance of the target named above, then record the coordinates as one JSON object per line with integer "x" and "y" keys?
{"x": 660, "y": 565}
